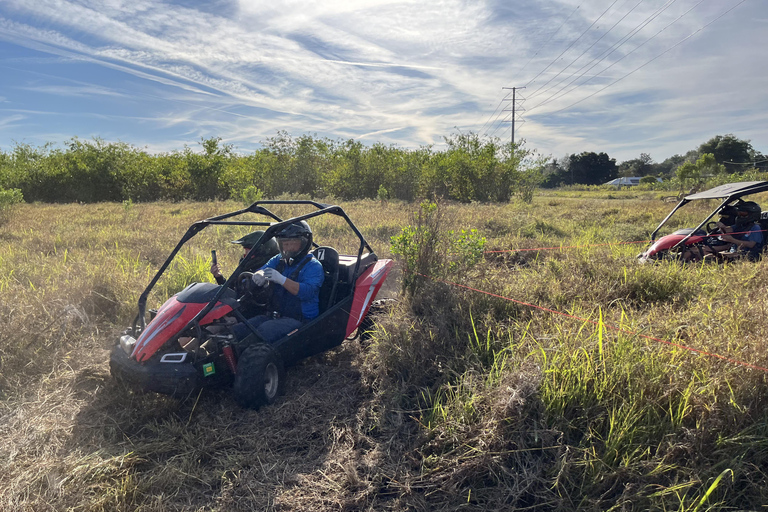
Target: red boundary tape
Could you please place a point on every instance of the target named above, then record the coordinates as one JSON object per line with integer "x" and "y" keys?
{"x": 567, "y": 247}
{"x": 617, "y": 329}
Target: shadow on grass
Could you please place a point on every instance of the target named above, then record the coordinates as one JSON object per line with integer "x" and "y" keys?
{"x": 306, "y": 452}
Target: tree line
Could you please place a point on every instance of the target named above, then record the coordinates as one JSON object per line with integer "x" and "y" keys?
{"x": 469, "y": 168}
{"x": 728, "y": 155}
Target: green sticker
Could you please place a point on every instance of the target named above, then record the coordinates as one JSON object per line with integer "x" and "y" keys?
{"x": 208, "y": 369}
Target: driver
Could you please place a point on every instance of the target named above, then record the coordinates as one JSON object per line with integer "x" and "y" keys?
{"x": 743, "y": 239}
{"x": 297, "y": 277}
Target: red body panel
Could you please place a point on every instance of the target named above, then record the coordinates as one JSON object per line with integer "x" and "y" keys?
{"x": 366, "y": 288}
{"x": 667, "y": 242}
{"x": 171, "y": 318}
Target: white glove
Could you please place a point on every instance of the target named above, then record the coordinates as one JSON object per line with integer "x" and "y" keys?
{"x": 270, "y": 274}
{"x": 259, "y": 279}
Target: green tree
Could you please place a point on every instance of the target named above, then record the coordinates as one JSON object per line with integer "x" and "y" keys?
{"x": 345, "y": 178}
{"x": 308, "y": 157}
{"x": 243, "y": 172}
{"x": 529, "y": 172}
{"x": 688, "y": 175}
{"x": 642, "y": 166}
{"x": 205, "y": 170}
{"x": 708, "y": 165}
{"x": 404, "y": 173}
{"x": 278, "y": 165}
{"x": 729, "y": 149}
{"x": 692, "y": 174}
{"x": 591, "y": 168}
{"x": 473, "y": 169}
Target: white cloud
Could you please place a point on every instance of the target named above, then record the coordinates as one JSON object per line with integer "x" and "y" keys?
{"x": 74, "y": 90}
{"x": 9, "y": 121}
{"x": 382, "y": 68}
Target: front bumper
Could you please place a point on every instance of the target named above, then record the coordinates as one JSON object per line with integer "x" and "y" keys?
{"x": 175, "y": 379}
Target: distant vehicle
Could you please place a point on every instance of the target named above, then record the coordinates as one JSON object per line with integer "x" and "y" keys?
{"x": 706, "y": 233}
{"x": 627, "y": 181}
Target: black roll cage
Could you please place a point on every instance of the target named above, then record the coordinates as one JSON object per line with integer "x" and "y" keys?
{"x": 271, "y": 229}
{"x": 730, "y": 191}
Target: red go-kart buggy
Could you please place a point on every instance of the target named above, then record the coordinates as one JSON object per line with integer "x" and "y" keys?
{"x": 187, "y": 343}
{"x": 674, "y": 244}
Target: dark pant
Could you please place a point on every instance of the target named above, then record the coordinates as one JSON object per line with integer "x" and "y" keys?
{"x": 271, "y": 329}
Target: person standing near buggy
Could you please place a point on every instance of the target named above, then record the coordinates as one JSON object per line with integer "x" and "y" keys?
{"x": 743, "y": 239}
{"x": 297, "y": 277}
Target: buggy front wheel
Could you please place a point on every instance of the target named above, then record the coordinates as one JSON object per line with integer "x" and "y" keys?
{"x": 260, "y": 377}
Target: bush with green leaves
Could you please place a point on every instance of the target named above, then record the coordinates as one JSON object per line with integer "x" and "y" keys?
{"x": 427, "y": 249}
{"x": 9, "y": 198}
{"x": 251, "y": 194}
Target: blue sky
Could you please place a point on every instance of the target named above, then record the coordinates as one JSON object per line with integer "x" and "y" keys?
{"x": 621, "y": 76}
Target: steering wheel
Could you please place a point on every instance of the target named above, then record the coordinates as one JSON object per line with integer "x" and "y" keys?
{"x": 247, "y": 290}
{"x": 244, "y": 284}
{"x": 712, "y": 228}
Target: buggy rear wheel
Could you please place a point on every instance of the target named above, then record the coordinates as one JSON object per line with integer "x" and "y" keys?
{"x": 260, "y": 377}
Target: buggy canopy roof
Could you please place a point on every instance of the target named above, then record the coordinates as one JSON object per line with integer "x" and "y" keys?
{"x": 733, "y": 190}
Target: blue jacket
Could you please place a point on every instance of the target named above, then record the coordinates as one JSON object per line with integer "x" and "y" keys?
{"x": 305, "y": 305}
{"x": 753, "y": 234}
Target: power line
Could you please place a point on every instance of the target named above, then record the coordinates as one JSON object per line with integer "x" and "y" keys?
{"x": 558, "y": 57}
{"x": 607, "y": 54}
{"x": 746, "y": 163}
{"x": 585, "y": 51}
{"x": 570, "y": 45}
{"x": 550, "y": 38}
{"x": 656, "y": 57}
{"x": 622, "y": 42}
{"x": 526, "y": 65}
{"x": 494, "y": 112}
{"x": 577, "y": 58}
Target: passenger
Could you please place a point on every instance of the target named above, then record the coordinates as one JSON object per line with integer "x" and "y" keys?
{"x": 298, "y": 277}
{"x": 256, "y": 260}
{"x": 744, "y": 239}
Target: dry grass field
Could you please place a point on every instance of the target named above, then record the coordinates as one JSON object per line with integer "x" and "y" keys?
{"x": 460, "y": 400}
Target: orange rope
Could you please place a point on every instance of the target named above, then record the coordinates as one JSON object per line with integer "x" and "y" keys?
{"x": 617, "y": 329}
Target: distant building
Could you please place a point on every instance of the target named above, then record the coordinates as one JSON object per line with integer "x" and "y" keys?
{"x": 627, "y": 181}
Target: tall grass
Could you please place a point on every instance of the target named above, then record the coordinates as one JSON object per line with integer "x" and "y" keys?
{"x": 459, "y": 400}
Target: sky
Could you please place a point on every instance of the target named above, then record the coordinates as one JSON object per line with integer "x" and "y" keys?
{"x": 623, "y": 77}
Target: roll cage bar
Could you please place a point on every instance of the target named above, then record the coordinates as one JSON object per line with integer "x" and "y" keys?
{"x": 731, "y": 192}
{"x": 271, "y": 229}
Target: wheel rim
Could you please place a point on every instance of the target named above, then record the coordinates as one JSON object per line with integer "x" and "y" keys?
{"x": 270, "y": 380}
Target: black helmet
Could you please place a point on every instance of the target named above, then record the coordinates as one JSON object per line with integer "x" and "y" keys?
{"x": 728, "y": 215}
{"x": 748, "y": 213}
{"x": 298, "y": 230}
{"x": 248, "y": 240}
{"x": 264, "y": 252}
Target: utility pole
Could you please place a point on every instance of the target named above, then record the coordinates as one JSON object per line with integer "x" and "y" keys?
{"x": 514, "y": 105}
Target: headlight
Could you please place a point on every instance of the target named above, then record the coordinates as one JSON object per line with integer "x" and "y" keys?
{"x": 127, "y": 342}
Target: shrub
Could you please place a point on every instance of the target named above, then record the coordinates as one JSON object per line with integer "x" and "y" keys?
{"x": 251, "y": 194}
{"x": 420, "y": 246}
{"x": 382, "y": 193}
{"x": 9, "y": 198}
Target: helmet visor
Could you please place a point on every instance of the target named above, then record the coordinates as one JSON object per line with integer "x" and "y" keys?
{"x": 291, "y": 247}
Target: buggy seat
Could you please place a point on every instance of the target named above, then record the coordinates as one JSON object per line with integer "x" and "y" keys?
{"x": 329, "y": 258}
